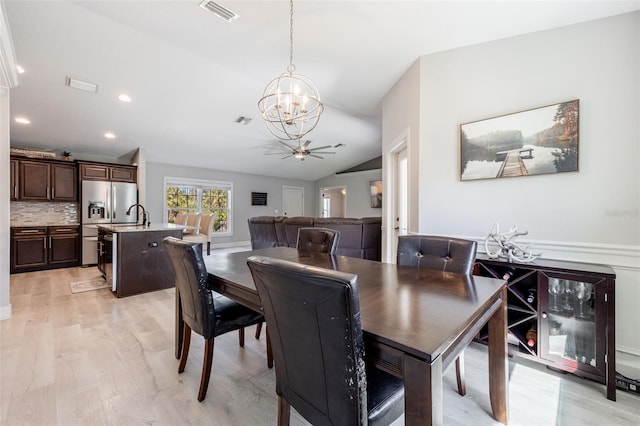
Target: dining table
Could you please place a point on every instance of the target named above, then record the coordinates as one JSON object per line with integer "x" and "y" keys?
{"x": 415, "y": 322}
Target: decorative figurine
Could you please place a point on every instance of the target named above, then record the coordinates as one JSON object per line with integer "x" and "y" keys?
{"x": 501, "y": 245}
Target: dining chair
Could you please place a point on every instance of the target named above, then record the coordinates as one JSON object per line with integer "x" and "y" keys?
{"x": 444, "y": 254}
{"x": 313, "y": 315}
{"x": 205, "y": 232}
{"x": 321, "y": 240}
{"x": 205, "y": 312}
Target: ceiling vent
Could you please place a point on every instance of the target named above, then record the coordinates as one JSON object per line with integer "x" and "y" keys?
{"x": 81, "y": 85}
{"x": 219, "y": 10}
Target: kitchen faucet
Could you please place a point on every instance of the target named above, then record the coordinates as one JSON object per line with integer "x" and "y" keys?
{"x": 146, "y": 220}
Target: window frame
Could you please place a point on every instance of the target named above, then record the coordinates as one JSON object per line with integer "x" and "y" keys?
{"x": 201, "y": 184}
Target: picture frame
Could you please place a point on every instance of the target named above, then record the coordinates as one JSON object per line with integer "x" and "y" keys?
{"x": 532, "y": 142}
{"x": 376, "y": 194}
{"x": 258, "y": 198}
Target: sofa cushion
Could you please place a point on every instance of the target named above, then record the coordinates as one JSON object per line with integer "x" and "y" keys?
{"x": 291, "y": 225}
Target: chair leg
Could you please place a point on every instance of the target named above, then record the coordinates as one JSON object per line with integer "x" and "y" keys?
{"x": 284, "y": 411}
{"x": 269, "y": 350}
{"x": 462, "y": 388}
{"x": 186, "y": 341}
{"x": 206, "y": 368}
{"x": 258, "y": 330}
{"x": 241, "y": 337}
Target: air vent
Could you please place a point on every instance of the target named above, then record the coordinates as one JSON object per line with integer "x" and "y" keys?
{"x": 219, "y": 10}
{"x": 81, "y": 85}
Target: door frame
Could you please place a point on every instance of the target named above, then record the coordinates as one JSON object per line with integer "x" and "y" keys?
{"x": 320, "y": 195}
{"x": 389, "y": 195}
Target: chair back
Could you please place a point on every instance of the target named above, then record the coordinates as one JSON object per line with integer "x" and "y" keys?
{"x": 191, "y": 281}
{"x": 313, "y": 318}
{"x": 436, "y": 252}
{"x": 206, "y": 225}
{"x": 193, "y": 220}
{"x": 180, "y": 219}
{"x": 322, "y": 240}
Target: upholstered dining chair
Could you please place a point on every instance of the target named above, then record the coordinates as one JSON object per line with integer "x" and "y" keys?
{"x": 321, "y": 240}
{"x": 204, "y": 234}
{"x": 313, "y": 315}
{"x": 207, "y": 313}
{"x": 443, "y": 254}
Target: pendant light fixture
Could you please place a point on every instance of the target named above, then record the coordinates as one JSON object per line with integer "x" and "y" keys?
{"x": 290, "y": 105}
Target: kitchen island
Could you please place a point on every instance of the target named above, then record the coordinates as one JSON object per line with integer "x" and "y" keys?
{"x": 132, "y": 257}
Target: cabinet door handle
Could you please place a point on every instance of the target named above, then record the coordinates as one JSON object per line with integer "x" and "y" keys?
{"x": 63, "y": 230}
{"x": 50, "y": 241}
{"x": 30, "y": 231}
{"x": 15, "y": 191}
{"x": 53, "y": 193}
{"x": 48, "y": 198}
{"x": 44, "y": 243}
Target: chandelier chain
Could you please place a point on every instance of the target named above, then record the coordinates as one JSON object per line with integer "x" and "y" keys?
{"x": 291, "y": 68}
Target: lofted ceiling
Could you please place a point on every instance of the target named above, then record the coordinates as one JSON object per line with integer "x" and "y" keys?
{"x": 191, "y": 75}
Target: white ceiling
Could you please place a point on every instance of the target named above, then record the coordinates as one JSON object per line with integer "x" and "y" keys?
{"x": 191, "y": 74}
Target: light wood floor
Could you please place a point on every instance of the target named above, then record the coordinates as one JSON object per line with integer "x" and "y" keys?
{"x": 92, "y": 359}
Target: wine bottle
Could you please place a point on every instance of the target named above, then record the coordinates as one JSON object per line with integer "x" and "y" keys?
{"x": 532, "y": 336}
{"x": 508, "y": 274}
{"x": 531, "y": 296}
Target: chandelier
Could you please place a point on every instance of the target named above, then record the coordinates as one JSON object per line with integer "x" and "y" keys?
{"x": 290, "y": 105}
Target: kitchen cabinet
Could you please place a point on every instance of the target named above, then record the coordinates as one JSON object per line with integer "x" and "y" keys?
{"x": 13, "y": 179}
{"x": 109, "y": 172}
{"x": 41, "y": 247}
{"x": 46, "y": 181}
{"x": 561, "y": 314}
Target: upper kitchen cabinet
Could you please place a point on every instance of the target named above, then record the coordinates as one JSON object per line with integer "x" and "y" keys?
{"x": 47, "y": 181}
{"x": 109, "y": 172}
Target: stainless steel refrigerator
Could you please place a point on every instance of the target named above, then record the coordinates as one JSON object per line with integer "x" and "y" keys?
{"x": 104, "y": 202}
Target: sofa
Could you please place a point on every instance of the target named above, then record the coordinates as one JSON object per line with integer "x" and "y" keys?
{"x": 359, "y": 237}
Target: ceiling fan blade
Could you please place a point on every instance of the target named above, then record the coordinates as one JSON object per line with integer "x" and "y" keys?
{"x": 317, "y": 156}
{"x": 321, "y": 152}
{"x": 276, "y": 153}
{"x": 306, "y": 144}
{"x": 287, "y": 145}
{"x": 287, "y": 156}
{"x": 320, "y": 147}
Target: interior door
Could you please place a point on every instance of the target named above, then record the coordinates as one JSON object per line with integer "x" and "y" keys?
{"x": 292, "y": 201}
{"x": 400, "y": 200}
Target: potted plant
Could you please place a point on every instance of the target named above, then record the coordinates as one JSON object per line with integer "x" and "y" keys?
{"x": 66, "y": 155}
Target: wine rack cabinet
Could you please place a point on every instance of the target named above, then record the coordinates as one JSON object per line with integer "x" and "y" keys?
{"x": 561, "y": 314}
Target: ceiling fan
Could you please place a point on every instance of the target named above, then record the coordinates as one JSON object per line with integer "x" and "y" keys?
{"x": 301, "y": 151}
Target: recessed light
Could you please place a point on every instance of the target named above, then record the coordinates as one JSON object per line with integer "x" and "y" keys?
{"x": 19, "y": 69}
{"x": 23, "y": 120}
{"x": 109, "y": 135}
{"x": 124, "y": 98}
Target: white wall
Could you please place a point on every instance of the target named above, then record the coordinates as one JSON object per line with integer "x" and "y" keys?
{"x": 243, "y": 185}
{"x": 358, "y": 192}
{"x": 592, "y": 215}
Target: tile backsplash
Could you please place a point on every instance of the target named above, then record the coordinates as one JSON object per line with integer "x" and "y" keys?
{"x": 43, "y": 213}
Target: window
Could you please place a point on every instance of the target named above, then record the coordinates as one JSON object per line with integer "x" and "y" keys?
{"x": 193, "y": 196}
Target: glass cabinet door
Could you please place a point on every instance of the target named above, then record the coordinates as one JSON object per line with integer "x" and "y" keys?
{"x": 571, "y": 307}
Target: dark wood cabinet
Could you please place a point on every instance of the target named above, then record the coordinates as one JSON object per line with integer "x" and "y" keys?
{"x": 109, "y": 172}
{"x": 46, "y": 181}
{"x": 41, "y": 247}
{"x": 13, "y": 179}
{"x": 64, "y": 247}
{"x": 561, "y": 314}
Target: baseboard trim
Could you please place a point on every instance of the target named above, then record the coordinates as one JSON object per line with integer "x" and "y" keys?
{"x": 5, "y": 312}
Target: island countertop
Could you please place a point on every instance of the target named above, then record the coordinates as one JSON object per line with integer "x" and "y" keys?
{"x": 122, "y": 228}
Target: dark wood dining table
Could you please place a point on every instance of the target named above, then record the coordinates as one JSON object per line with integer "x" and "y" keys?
{"x": 415, "y": 321}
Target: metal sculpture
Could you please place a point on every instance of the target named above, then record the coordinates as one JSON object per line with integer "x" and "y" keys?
{"x": 501, "y": 245}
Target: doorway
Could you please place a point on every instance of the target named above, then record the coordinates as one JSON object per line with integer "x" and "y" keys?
{"x": 333, "y": 201}
{"x": 397, "y": 223}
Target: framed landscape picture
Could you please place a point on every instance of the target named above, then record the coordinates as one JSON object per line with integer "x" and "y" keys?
{"x": 376, "y": 194}
{"x": 533, "y": 142}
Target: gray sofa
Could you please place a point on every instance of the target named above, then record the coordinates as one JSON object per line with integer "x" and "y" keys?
{"x": 359, "y": 237}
